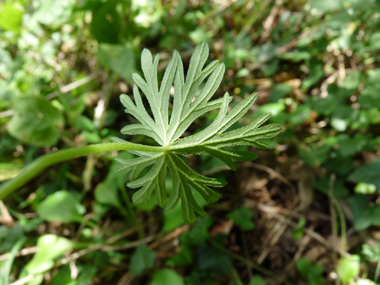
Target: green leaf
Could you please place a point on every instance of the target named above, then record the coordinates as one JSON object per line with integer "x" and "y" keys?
{"x": 173, "y": 219}
{"x": 87, "y": 272}
{"x": 119, "y": 58}
{"x": 49, "y": 247}
{"x": 106, "y": 23}
{"x": 297, "y": 232}
{"x": 365, "y": 188}
{"x": 11, "y": 16}
{"x": 243, "y": 218}
{"x": 35, "y": 122}
{"x": 257, "y": 280}
{"x": 277, "y": 111}
{"x": 369, "y": 96}
{"x": 61, "y": 206}
{"x": 191, "y": 100}
{"x": 301, "y": 114}
{"x": 6, "y": 265}
{"x": 182, "y": 258}
{"x": 339, "y": 191}
{"x": 311, "y": 271}
{"x": 166, "y": 276}
{"x": 280, "y": 91}
{"x": 371, "y": 254}
{"x": 29, "y": 225}
{"x": 199, "y": 233}
{"x": 63, "y": 277}
{"x": 9, "y": 170}
{"x": 84, "y": 123}
{"x": 369, "y": 173}
{"x": 324, "y": 106}
{"x": 213, "y": 259}
{"x": 348, "y": 268}
{"x": 316, "y": 74}
{"x": 352, "y": 80}
{"x": 365, "y": 282}
{"x": 107, "y": 192}
{"x": 10, "y": 236}
{"x": 327, "y": 6}
{"x": 198, "y": 277}
{"x": 141, "y": 259}
{"x": 296, "y": 56}
{"x": 350, "y": 146}
{"x": 365, "y": 215}
{"x": 342, "y": 117}
{"x": 54, "y": 13}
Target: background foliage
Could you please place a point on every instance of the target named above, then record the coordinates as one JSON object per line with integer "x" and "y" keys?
{"x": 306, "y": 212}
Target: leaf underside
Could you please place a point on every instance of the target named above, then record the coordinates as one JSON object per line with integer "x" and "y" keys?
{"x": 191, "y": 100}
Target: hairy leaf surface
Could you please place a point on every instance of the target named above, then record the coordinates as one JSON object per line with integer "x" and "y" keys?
{"x": 192, "y": 99}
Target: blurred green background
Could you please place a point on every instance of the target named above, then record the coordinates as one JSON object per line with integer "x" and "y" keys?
{"x": 306, "y": 212}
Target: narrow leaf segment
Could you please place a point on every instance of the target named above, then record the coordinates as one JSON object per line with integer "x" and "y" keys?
{"x": 191, "y": 100}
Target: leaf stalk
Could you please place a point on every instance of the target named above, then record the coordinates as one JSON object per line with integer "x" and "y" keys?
{"x": 43, "y": 162}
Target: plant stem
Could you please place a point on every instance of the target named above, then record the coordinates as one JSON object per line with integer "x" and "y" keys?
{"x": 343, "y": 228}
{"x": 131, "y": 211}
{"x": 236, "y": 276}
{"x": 37, "y": 166}
{"x": 377, "y": 271}
{"x": 334, "y": 230}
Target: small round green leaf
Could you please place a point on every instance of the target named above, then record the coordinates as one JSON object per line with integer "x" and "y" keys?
{"x": 349, "y": 268}
{"x": 243, "y": 218}
{"x": 61, "y": 206}
{"x": 35, "y": 122}
{"x": 166, "y": 276}
{"x": 142, "y": 258}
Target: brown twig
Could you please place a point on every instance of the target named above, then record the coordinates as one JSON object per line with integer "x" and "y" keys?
{"x": 294, "y": 42}
{"x": 23, "y": 252}
{"x": 268, "y": 23}
{"x": 5, "y": 217}
{"x": 177, "y": 232}
{"x": 313, "y": 234}
{"x": 72, "y": 86}
{"x": 252, "y": 265}
{"x": 334, "y": 230}
{"x": 65, "y": 89}
{"x": 272, "y": 239}
{"x": 270, "y": 171}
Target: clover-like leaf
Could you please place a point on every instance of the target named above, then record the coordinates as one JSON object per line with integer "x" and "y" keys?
{"x": 191, "y": 100}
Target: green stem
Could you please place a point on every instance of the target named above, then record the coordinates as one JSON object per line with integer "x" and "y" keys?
{"x": 37, "y": 166}
{"x": 343, "y": 228}
{"x": 236, "y": 276}
{"x": 377, "y": 271}
{"x": 132, "y": 212}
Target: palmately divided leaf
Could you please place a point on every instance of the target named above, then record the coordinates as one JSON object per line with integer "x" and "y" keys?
{"x": 191, "y": 100}
{"x": 154, "y": 179}
{"x": 134, "y": 166}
